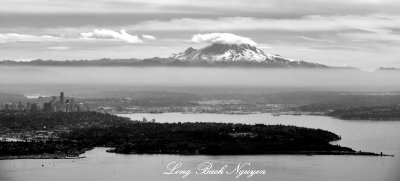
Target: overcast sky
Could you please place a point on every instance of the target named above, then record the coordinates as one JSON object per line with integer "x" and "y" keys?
{"x": 360, "y": 33}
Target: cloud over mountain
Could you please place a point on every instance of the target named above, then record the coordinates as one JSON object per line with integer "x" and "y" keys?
{"x": 225, "y": 38}
{"x": 110, "y": 34}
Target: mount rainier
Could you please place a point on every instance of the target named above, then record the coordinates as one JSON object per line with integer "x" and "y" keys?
{"x": 236, "y": 54}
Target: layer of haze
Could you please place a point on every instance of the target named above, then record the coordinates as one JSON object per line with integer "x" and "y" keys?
{"x": 209, "y": 77}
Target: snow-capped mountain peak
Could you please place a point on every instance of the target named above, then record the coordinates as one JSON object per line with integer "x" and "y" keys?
{"x": 182, "y": 55}
{"x": 236, "y": 55}
{"x": 218, "y": 52}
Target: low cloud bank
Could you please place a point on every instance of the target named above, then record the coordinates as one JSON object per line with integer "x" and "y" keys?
{"x": 176, "y": 76}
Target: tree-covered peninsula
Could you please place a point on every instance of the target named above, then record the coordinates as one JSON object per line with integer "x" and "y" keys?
{"x": 69, "y": 134}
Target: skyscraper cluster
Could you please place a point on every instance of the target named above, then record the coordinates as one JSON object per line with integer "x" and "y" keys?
{"x": 55, "y": 104}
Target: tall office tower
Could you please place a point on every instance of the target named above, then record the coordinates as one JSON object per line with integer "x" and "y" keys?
{"x": 40, "y": 103}
{"x": 62, "y": 97}
{"x": 61, "y": 106}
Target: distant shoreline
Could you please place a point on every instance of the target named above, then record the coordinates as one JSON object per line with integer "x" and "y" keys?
{"x": 41, "y": 156}
{"x": 284, "y": 113}
{"x": 310, "y": 153}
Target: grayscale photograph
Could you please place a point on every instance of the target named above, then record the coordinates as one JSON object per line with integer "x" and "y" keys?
{"x": 215, "y": 90}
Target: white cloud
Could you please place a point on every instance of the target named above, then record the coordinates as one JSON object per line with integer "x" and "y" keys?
{"x": 380, "y": 36}
{"x": 353, "y": 27}
{"x": 16, "y": 37}
{"x": 316, "y": 39}
{"x": 110, "y": 34}
{"x": 58, "y": 48}
{"x": 221, "y": 38}
{"x": 149, "y": 37}
{"x": 303, "y": 24}
{"x": 74, "y": 36}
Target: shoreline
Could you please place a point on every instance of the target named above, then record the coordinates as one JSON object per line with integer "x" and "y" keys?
{"x": 310, "y": 153}
{"x": 112, "y": 150}
{"x": 126, "y": 115}
{"x": 271, "y": 113}
{"x": 41, "y": 156}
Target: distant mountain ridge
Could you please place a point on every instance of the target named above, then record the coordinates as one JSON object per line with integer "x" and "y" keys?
{"x": 388, "y": 69}
{"x": 214, "y": 55}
